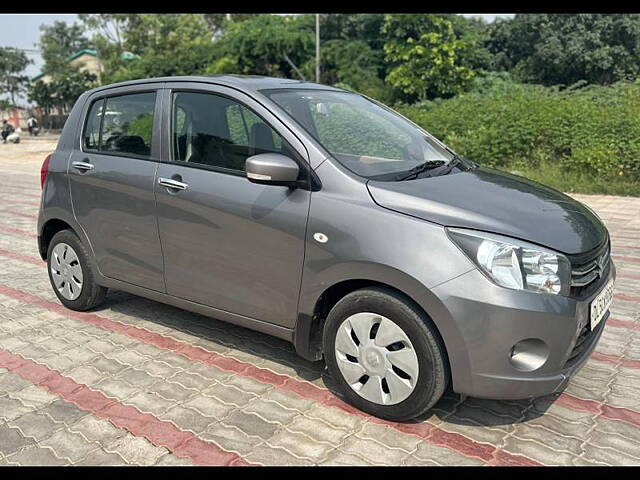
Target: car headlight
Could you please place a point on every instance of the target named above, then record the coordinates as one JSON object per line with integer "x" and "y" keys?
{"x": 513, "y": 263}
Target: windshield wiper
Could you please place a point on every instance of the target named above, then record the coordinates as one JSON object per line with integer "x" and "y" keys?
{"x": 430, "y": 165}
{"x": 456, "y": 161}
{"x": 423, "y": 167}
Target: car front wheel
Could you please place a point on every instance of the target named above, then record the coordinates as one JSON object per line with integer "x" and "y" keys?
{"x": 385, "y": 354}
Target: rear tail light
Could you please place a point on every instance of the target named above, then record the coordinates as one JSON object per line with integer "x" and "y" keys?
{"x": 44, "y": 170}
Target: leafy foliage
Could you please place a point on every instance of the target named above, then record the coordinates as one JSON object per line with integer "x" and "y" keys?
{"x": 259, "y": 45}
{"x": 557, "y": 49}
{"x": 219, "y": 22}
{"x": 63, "y": 90}
{"x": 425, "y": 56}
{"x": 590, "y": 131}
{"x": 42, "y": 94}
{"x": 57, "y": 42}
{"x": 352, "y": 64}
{"x": 162, "y": 45}
{"x": 12, "y": 64}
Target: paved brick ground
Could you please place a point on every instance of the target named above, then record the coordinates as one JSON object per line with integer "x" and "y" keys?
{"x": 138, "y": 382}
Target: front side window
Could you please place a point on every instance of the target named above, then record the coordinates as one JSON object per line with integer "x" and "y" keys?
{"x": 219, "y": 132}
{"x": 370, "y": 140}
{"x": 121, "y": 124}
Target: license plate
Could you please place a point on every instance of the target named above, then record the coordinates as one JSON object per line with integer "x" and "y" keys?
{"x": 601, "y": 304}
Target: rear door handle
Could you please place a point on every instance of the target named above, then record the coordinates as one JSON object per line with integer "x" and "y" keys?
{"x": 82, "y": 166}
{"x": 171, "y": 183}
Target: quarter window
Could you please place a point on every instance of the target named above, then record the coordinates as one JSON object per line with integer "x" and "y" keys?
{"x": 92, "y": 129}
{"x": 219, "y": 132}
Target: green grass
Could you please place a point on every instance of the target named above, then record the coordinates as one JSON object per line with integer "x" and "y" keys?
{"x": 573, "y": 182}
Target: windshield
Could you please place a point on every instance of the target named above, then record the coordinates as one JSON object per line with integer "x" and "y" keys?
{"x": 368, "y": 139}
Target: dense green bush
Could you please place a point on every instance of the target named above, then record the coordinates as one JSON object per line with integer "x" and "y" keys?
{"x": 592, "y": 131}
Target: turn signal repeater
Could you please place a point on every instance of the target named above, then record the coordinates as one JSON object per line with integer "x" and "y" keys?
{"x": 320, "y": 237}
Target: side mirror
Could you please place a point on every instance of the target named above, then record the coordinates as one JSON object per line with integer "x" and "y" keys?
{"x": 272, "y": 169}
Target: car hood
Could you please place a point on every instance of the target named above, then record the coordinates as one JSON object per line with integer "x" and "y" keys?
{"x": 498, "y": 202}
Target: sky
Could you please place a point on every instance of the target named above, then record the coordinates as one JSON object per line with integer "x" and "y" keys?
{"x": 23, "y": 31}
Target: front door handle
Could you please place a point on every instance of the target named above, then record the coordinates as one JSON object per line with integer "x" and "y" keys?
{"x": 171, "y": 183}
{"x": 82, "y": 166}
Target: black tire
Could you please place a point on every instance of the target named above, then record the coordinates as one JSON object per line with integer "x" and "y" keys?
{"x": 91, "y": 294}
{"x": 433, "y": 367}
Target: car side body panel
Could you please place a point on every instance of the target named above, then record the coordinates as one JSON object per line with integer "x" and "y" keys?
{"x": 368, "y": 242}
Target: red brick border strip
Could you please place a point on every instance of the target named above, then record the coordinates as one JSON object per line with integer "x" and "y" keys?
{"x": 21, "y": 202}
{"x": 19, "y": 214}
{"x": 628, "y": 275}
{"x": 159, "y": 432}
{"x": 22, "y": 192}
{"x": 615, "y": 359}
{"x": 603, "y": 410}
{"x": 626, "y": 298}
{"x": 23, "y": 258}
{"x": 615, "y": 322}
{"x": 430, "y": 433}
{"x": 623, "y": 258}
{"x": 17, "y": 231}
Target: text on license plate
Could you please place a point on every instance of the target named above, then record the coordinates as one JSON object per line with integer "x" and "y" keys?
{"x": 601, "y": 304}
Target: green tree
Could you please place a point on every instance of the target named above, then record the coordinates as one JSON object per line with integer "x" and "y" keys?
{"x": 57, "y": 42}
{"x": 261, "y": 44}
{"x": 69, "y": 85}
{"x": 425, "y": 56}
{"x": 108, "y": 26}
{"x": 42, "y": 95}
{"x": 562, "y": 49}
{"x": 63, "y": 91}
{"x": 352, "y": 64}
{"x": 366, "y": 27}
{"x": 219, "y": 22}
{"x": 474, "y": 32}
{"x": 12, "y": 78}
{"x": 161, "y": 44}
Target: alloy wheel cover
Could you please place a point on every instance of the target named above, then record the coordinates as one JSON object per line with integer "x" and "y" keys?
{"x": 376, "y": 358}
{"x": 66, "y": 271}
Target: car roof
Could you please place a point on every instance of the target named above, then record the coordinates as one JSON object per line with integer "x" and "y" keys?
{"x": 247, "y": 83}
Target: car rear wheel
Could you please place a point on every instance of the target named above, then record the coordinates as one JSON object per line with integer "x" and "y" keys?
{"x": 385, "y": 354}
{"x": 71, "y": 274}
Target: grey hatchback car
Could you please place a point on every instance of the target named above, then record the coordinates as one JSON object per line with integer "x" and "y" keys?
{"x": 324, "y": 218}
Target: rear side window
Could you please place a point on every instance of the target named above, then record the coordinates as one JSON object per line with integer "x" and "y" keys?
{"x": 121, "y": 125}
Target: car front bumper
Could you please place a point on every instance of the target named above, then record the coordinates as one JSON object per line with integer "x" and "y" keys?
{"x": 491, "y": 320}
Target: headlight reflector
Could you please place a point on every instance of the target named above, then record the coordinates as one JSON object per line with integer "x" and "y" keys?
{"x": 515, "y": 264}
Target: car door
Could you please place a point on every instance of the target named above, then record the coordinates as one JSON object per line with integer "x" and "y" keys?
{"x": 229, "y": 243}
{"x": 111, "y": 180}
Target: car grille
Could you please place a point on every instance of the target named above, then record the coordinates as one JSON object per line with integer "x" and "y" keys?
{"x": 589, "y": 271}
